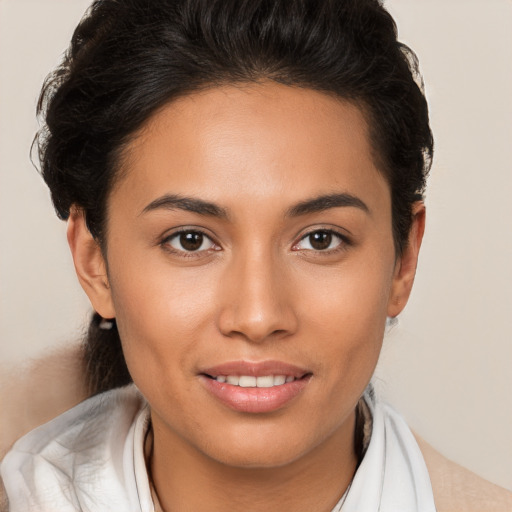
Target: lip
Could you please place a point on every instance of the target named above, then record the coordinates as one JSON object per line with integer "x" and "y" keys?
{"x": 255, "y": 369}
{"x": 255, "y": 400}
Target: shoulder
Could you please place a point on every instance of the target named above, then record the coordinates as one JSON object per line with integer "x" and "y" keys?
{"x": 457, "y": 489}
{"x": 32, "y": 393}
{"x": 86, "y": 428}
{"x": 96, "y": 437}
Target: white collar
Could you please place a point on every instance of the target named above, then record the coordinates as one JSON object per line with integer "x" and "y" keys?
{"x": 91, "y": 459}
{"x": 392, "y": 476}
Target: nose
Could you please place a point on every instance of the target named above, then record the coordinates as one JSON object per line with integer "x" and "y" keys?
{"x": 256, "y": 300}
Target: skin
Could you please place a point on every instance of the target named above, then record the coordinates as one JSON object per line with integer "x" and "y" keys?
{"x": 259, "y": 290}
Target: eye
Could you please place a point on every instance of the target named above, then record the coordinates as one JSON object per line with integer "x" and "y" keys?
{"x": 320, "y": 240}
{"x": 189, "y": 241}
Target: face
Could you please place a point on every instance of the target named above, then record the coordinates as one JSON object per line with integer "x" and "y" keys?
{"x": 251, "y": 268}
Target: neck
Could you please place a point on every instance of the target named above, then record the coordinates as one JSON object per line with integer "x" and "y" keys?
{"x": 185, "y": 479}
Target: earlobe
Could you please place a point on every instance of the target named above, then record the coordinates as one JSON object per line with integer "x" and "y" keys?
{"x": 405, "y": 269}
{"x": 89, "y": 264}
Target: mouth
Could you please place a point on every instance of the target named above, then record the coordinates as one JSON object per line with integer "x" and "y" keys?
{"x": 255, "y": 387}
{"x": 249, "y": 381}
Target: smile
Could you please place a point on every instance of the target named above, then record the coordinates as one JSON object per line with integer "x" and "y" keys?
{"x": 255, "y": 387}
{"x": 250, "y": 381}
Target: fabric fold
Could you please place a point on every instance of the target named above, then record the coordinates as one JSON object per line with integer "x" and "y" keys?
{"x": 91, "y": 459}
{"x": 393, "y": 476}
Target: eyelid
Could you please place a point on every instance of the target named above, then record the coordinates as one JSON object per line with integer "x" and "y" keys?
{"x": 344, "y": 239}
{"x": 165, "y": 239}
{"x": 169, "y": 235}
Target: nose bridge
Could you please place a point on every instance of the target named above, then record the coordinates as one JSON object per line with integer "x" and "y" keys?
{"x": 255, "y": 301}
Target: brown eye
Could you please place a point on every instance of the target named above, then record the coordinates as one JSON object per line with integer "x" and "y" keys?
{"x": 190, "y": 241}
{"x": 320, "y": 240}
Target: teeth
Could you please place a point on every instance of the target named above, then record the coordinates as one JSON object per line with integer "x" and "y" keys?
{"x": 248, "y": 381}
{"x": 265, "y": 382}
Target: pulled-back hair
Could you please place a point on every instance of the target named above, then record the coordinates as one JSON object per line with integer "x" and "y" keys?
{"x": 128, "y": 58}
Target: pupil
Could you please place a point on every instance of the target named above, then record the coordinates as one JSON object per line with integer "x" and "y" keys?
{"x": 191, "y": 241}
{"x": 320, "y": 240}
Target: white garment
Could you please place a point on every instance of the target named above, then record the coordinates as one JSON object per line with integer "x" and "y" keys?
{"x": 392, "y": 476}
{"x": 91, "y": 459}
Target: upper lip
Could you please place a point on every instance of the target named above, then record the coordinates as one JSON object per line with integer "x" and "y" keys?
{"x": 255, "y": 369}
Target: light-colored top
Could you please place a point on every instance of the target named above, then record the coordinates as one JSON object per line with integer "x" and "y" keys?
{"x": 91, "y": 459}
{"x": 44, "y": 388}
{"x": 392, "y": 476}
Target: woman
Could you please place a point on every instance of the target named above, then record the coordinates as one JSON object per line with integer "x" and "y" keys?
{"x": 242, "y": 184}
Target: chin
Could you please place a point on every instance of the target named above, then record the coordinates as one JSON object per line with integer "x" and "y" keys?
{"x": 258, "y": 450}
{"x": 258, "y": 458}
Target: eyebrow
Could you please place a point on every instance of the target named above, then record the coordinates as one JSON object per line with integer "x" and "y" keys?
{"x": 325, "y": 202}
{"x": 189, "y": 204}
{"x": 202, "y": 207}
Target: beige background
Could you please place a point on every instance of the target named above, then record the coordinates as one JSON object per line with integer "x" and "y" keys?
{"x": 447, "y": 365}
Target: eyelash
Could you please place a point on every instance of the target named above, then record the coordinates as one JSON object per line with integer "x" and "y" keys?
{"x": 344, "y": 241}
{"x": 165, "y": 243}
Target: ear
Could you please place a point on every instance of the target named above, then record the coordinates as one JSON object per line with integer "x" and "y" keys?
{"x": 90, "y": 265}
{"x": 405, "y": 267}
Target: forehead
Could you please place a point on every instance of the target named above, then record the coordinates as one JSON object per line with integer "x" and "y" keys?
{"x": 253, "y": 142}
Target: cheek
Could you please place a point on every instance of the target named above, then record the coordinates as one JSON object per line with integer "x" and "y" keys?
{"x": 160, "y": 315}
{"x": 346, "y": 317}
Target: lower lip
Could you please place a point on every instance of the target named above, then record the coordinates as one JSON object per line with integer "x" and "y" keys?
{"x": 255, "y": 400}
